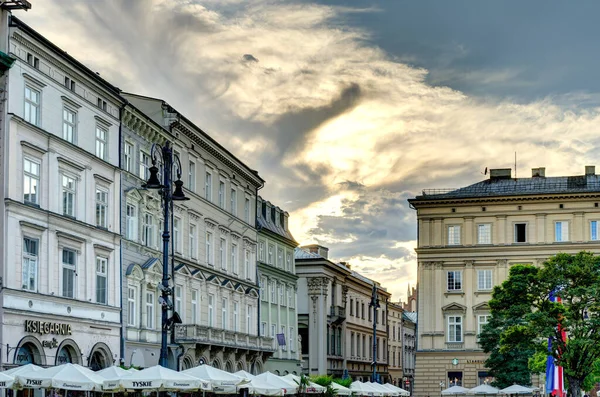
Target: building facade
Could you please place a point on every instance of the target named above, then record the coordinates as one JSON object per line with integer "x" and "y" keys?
{"x": 276, "y": 271}
{"x": 335, "y": 317}
{"x": 60, "y": 224}
{"x": 468, "y": 239}
{"x": 409, "y": 349}
{"x": 214, "y": 245}
{"x": 394, "y": 328}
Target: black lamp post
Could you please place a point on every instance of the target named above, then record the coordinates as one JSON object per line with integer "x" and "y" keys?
{"x": 375, "y": 305}
{"x": 168, "y": 163}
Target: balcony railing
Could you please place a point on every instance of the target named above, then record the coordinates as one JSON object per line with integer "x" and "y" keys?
{"x": 337, "y": 314}
{"x": 217, "y": 336}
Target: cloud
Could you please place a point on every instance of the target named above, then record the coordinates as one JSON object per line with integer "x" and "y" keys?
{"x": 342, "y": 131}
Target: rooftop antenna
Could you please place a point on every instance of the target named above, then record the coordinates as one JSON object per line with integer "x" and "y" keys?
{"x": 484, "y": 171}
{"x": 515, "y": 165}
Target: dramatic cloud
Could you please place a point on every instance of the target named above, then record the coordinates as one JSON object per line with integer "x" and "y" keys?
{"x": 342, "y": 131}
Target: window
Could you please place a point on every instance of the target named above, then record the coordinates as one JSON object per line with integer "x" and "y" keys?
{"x": 561, "y": 231}
{"x": 176, "y": 234}
{"x": 263, "y": 328}
{"x": 101, "y": 137}
{"x": 192, "y": 176}
{"x": 234, "y": 260}
{"x": 68, "y": 191}
{"x": 291, "y": 338}
{"x": 224, "y": 306}
{"x": 209, "y": 257}
{"x": 280, "y": 257}
{"x": 145, "y": 162}
{"x": 594, "y": 230}
{"x": 283, "y": 347}
{"x": 273, "y": 286}
{"x": 482, "y": 320}
{"x": 208, "y": 187}
{"x": 249, "y": 325}
{"x": 32, "y": 106}
{"x": 131, "y": 294}
{"x": 211, "y": 310}
{"x": 454, "y": 280}
{"x": 101, "y": 104}
{"x": 194, "y": 306}
{"x": 30, "y": 263}
{"x": 273, "y": 330}
{"x": 131, "y": 219}
{"x": 69, "y": 125}
{"x": 150, "y": 310}
{"x": 236, "y": 317}
{"x": 290, "y": 294}
{"x": 222, "y": 254}
{"x": 179, "y": 300}
{"x": 454, "y": 329}
{"x": 484, "y": 280}
{"x": 233, "y": 200}
{"x": 31, "y": 181}
{"x": 270, "y": 254}
{"x": 148, "y": 232}
{"x": 263, "y": 292}
{"x": 362, "y": 309}
{"x": 520, "y": 232}
{"x": 247, "y": 264}
{"x": 454, "y": 235}
{"x": 68, "y": 273}
{"x": 484, "y": 233}
{"x": 261, "y": 251}
{"x": 101, "y": 208}
{"x": 364, "y": 346}
{"x": 222, "y": 194}
{"x": 101, "y": 278}
{"x": 247, "y": 210}
{"x": 193, "y": 244}
{"x": 128, "y": 157}
{"x": 288, "y": 262}
{"x": 281, "y": 292}
{"x": 356, "y": 314}
{"x": 33, "y": 61}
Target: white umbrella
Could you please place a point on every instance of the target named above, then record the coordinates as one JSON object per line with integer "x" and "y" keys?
{"x": 396, "y": 388}
{"x": 483, "y": 389}
{"x": 386, "y": 391}
{"x": 244, "y": 374}
{"x": 158, "y": 378}
{"x": 275, "y": 380}
{"x": 341, "y": 390}
{"x": 364, "y": 389}
{"x": 516, "y": 389}
{"x": 261, "y": 387}
{"x": 310, "y": 389}
{"x": 454, "y": 390}
{"x": 6, "y": 381}
{"x": 66, "y": 376}
{"x": 222, "y": 382}
{"x": 27, "y": 368}
{"x": 113, "y": 375}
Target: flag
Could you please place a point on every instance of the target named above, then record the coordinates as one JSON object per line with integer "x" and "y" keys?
{"x": 554, "y": 373}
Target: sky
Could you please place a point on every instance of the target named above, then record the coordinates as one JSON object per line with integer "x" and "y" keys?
{"x": 349, "y": 108}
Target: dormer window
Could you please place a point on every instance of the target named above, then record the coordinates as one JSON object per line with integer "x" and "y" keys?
{"x": 273, "y": 214}
{"x": 264, "y": 210}
{"x": 282, "y": 219}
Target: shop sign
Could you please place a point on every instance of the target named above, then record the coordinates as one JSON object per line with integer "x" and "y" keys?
{"x": 475, "y": 361}
{"x": 45, "y": 327}
{"x": 50, "y": 344}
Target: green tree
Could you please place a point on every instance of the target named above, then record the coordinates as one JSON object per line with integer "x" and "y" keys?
{"x": 576, "y": 280}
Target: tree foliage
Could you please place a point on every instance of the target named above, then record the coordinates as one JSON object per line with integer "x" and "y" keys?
{"x": 524, "y": 319}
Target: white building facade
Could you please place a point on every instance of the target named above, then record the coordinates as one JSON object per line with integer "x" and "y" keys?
{"x": 60, "y": 224}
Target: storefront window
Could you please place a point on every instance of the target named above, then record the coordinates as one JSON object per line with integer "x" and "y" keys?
{"x": 24, "y": 355}
{"x": 484, "y": 378}
{"x": 455, "y": 378}
{"x": 64, "y": 356}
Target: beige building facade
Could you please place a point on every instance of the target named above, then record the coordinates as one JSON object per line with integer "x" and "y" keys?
{"x": 468, "y": 239}
{"x": 394, "y": 328}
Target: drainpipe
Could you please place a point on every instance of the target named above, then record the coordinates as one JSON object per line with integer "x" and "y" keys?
{"x": 122, "y": 331}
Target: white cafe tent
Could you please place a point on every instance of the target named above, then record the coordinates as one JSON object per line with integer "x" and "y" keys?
{"x": 400, "y": 390}
{"x": 158, "y": 378}
{"x": 113, "y": 374}
{"x": 221, "y": 382}
{"x": 364, "y": 389}
{"x": 27, "y": 368}
{"x": 6, "y": 381}
{"x": 341, "y": 390}
{"x": 245, "y": 375}
{"x": 261, "y": 387}
{"x": 454, "y": 390}
{"x": 277, "y": 381}
{"x": 66, "y": 376}
{"x": 516, "y": 389}
{"x": 312, "y": 387}
{"x": 383, "y": 389}
{"x": 484, "y": 389}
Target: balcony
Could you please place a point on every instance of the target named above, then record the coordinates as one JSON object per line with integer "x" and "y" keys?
{"x": 337, "y": 314}
{"x": 220, "y": 337}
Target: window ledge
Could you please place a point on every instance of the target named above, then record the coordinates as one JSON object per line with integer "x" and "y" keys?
{"x": 461, "y": 293}
{"x": 483, "y": 292}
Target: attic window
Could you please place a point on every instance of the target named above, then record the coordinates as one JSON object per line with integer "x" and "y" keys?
{"x": 273, "y": 214}
{"x": 264, "y": 210}
{"x": 282, "y": 219}
{"x": 453, "y": 209}
{"x": 595, "y": 204}
{"x": 483, "y": 209}
{"x": 561, "y": 206}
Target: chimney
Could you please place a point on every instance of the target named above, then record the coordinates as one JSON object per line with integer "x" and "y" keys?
{"x": 500, "y": 173}
{"x": 538, "y": 172}
{"x": 590, "y": 170}
{"x": 317, "y": 249}
{"x": 346, "y": 265}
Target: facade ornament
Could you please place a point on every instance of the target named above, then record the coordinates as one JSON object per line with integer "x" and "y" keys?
{"x": 469, "y": 264}
{"x": 344, "y": 295}
{"x": 502, "y": 262}
{"x": 210, "y": 224}
{"x": 224, "y": 231}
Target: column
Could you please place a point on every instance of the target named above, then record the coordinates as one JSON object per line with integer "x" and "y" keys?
{"x": 501, "y": 229}
{"x": 424, "y": 233}
{"x": 578, "y": 232}
{"x": 468, "y": 230}
{"x": 540, "y": 223}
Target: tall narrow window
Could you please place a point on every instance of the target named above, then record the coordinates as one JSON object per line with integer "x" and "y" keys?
{"x": 68, "y": 273}
{"x": 31, "y": 181}
{"x": 193, "y": 242}
{"x": 263, "y": 289}
{"x": 454, "y": 280}
{"x": 482, "y": 320}
{"x": 32, "y": 106}
{"x": 288, "y": 262}
{"x": 234, "y": 258}
{"x": 30, "y": 263}
{"x": 101, "y": 142}
{"x": 194, "y": 306}
{"x": 270, "y": 257}
{"x": 209, "y": 256}
{"x": 179, "y": 300}
{"x": 224, "y": 306}
{"x": 177, "y": 234}
{"x": 131, "y": 306}
{"x": 145, "y": 162}
{"x": 247, "y": 210}
{"x": 222, "y": 253}
{"x": 520, "y": 232}
{"x": 280, "y": 257}
{"x": 261, "y": 251}
{"x": 128, "y": 150}
{"x": 454, "y": 329}
{"x": 211, "y": 310}
{"x": 283, "y": 333}
{"x": 101, "y": 208}
{"x": 247, "y": 264}
{"x": 150, "y": 310}
{"x": 281, "y": 294}
{"x": 484, "y": 233}
{"x": 131, "y": 219}
{"x": 273, "y": 287}
{"x": 233, "y": 199}
{"x": 249, "y": 321}
{"x": 561, "y": 231}
{"x": 221, "y": 194}
{"x": 290, "y": 294}
{"x": 192, "y": 176}
{"x": 454, "y": 235}
{"x": 236, "y": 317}
{"x": 101, "y": 280}
{"x": 69, "y": 125}
{"x": 208, "y": 186}
{"x": 484, "y": 280}
{"x": 68, "y": 192}
{"x": 148, "y": 235}
{"x": 594, "y": 230}
{"x": 291, "y": 338}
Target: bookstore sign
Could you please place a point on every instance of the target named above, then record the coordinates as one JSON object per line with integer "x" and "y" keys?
{"x": 46, "y": 327}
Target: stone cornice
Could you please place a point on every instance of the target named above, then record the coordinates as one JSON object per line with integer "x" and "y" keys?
{"x": 143, "y": 127}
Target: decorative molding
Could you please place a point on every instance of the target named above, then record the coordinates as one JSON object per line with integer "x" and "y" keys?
{"x": 502, "y": 263}
{"x": 210, "y": 224}
{"x": 235, "y": 236}
{"x": 33, "y": 226}
{"x": 71, "y": 164}
{"x": 103, "y": 179}
{"x": 194, "y": 215}
{"x": 70, "y": 102}
{"x": 469, "y": 264}
{"x": 33, "y": 80}
{"x": 34, "y": 147}
{"x": 68, "y": 236}
{"x": 224, "y": 231}
{"x": 105, "y": 123}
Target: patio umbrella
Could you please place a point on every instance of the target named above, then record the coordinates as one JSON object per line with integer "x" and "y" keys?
{"x": 484, "y": 389}
{"x": 275, "y": 380}
{"x": 396, "y": 388}
{"x": 261, "y": 387}
{"x": 454, "y": 390}
{"x": 244, "y": 374}
{"x": 158, "y": 378}
{"x": 383, "y": 389}
{"x": 364, "y": 389}
{"x": 310, "y": 389}
{"x": 341, "y": 390}
{"x": 66, "y": 376}
{"x": 222, "y": 382}
{"x": 516, "y": 389}
{"x": 27, "y": 368}
{"x": 6, "y": 381}
{"x": 113, "y": 375}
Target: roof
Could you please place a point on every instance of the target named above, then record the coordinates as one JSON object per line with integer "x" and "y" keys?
{"x": 267, "y": 223}
{"x": 514, "y": 187}
{"x": 411, "y": 316}
{"x": 299, "y": 253}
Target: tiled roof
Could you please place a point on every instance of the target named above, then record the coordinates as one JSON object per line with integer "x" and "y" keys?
{"x": 265, "y": 222}
{"x": 411, "y": 316}
{"x": 521, "y": 186}
{"x": 299, "y": 253}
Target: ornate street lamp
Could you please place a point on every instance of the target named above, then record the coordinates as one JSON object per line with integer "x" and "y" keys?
{"x": 375, "y": 305}
{"x": 168, "y": 163}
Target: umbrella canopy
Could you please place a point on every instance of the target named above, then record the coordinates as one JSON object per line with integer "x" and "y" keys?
{"x": 454, "y": 390}
{"x": 27, "y": 368}
{"x": 244, "y": 374}
{"x": 66, "y": 376}
{"x": 364, "y": 389}
{"x": 483, "y": 389}
{"x": 311, "y": 388}
{"x": 341, "y": 390}
{"x": 113, "y": 375}
{"x": 6, "y": 381}
{"x": 275, "y": 380}
{"x": 261, "y": 387}
{"x": 158, "y": 378}
{"x": 400, "y": 390}
{"x": 516, "y": 389}
{"x": 386, "y": 391}
{"x": 222, "y": 382}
